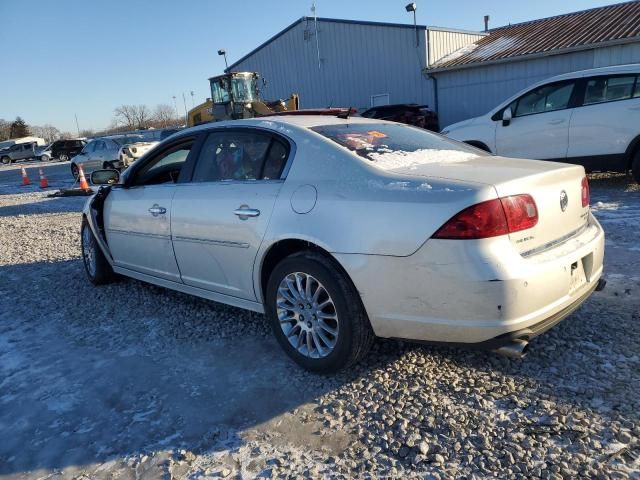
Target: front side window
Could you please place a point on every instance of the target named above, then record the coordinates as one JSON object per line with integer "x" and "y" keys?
{"x": 609, "y": 89}
{"x": 390, "y": 146}
{"x": 240, "y": 156}
{"x": 220, "y": 90}
{"x": 547, "y": 98}
{"x": 99, "y": 146}
{"x": 165, "y": 167}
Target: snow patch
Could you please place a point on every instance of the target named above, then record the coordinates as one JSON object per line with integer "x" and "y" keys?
{"x": 402, "y": 159}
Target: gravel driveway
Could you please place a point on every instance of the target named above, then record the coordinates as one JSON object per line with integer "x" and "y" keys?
{"x": 135, "y": 381}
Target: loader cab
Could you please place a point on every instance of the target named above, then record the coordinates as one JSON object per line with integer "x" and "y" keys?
{"x": 233, "y": 93}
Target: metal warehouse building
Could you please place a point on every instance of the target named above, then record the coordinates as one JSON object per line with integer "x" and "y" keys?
{"x": 462, "y": 74}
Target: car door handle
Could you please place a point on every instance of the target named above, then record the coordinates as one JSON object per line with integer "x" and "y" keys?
{"x": 245, "y": 212}
{"x": 157, "y": 210}
{"x": 557, "y": 121}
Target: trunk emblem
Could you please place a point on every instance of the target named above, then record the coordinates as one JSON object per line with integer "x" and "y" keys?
{"x": 564, "y": 200}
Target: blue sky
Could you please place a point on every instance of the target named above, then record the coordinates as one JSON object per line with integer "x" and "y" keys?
{"x": 87, "y": 56}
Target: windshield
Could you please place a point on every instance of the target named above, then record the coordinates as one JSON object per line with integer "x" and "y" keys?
{"x": 244, "y": 88}
{"x": 392, "y": 145}
{"x": 239, "y": 88}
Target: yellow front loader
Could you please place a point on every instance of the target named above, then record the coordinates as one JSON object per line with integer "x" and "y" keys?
{"x": 237, "y": 95}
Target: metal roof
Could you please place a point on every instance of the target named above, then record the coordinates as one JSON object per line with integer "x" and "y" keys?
{"x": 617, "y": 23}
{"x": 320, "y": 19}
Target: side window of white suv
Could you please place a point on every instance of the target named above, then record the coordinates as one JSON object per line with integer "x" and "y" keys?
{"x": 603, "y": 89}
{"x": 546, "y": 98}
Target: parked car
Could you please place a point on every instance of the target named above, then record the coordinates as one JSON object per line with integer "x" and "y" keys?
{"x": 590, "y": 118}
{"x": 131, "y": 152}
{"x": 101, "y": 153}
{"x": 410, "y": 113}
{"x": 62, "y": 150}
{"x": 18, "y": 151}
{"x": 342, "y": 229}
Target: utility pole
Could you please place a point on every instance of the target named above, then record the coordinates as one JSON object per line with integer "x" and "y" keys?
{"x": 77, "y": 126}
{"x": 186, "y": 117}
{"x": 193, "y": 104}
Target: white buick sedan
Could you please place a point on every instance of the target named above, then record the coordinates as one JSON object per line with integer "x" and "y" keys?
{"x": 344, "y": 229}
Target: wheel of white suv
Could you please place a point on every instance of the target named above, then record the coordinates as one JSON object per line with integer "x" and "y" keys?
{"x": 5, "y": 160}
{"x": 95, "y": 263}
{"x": 316, "y": 313}
{"x": 45, "y": 158}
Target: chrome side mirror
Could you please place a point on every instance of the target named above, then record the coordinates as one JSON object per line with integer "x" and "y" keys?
{"x": 105, "y": 177}
{"x": 507, "y": 115}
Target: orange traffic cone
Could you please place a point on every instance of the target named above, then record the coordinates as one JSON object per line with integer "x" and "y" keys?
{"x": 83, "y": 181}
{"x": 25, "y": 177}
{"x": 43, "y": 180}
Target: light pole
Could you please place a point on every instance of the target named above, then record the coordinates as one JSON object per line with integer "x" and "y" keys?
{"x": 223, "y": 52}
{"x": 411, "y": 7}
{"x": 175, "y": 106}
{"x": 193, "y": 104}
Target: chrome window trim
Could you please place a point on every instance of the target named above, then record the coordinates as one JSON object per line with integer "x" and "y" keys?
{"x": 556, "y": 242}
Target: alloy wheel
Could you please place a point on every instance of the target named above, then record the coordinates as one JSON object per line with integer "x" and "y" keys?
{"x": 89, "y": 251}
{"x": 307, "y": 315}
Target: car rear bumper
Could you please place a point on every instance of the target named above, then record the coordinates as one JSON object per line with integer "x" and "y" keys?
{"x": 476, "y": 292}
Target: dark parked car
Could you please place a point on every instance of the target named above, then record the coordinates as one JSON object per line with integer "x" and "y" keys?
{"x": 64, "y": 150}
{"x": 409, "y": 113}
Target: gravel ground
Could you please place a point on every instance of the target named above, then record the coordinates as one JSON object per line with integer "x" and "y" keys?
{"x": 135, "y": 381}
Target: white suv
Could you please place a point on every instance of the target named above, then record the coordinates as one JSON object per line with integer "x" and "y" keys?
{"x": 591, "y": 118}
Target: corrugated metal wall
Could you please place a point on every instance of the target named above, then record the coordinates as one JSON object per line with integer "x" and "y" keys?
{"x": 356, "y": 62}
{"x": 442, "y": 42}
{"x": 471, "y": 92}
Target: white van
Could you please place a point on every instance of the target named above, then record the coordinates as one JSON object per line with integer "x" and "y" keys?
{"x": 590, "y": 117}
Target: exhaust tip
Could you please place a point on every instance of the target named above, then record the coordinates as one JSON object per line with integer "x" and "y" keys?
{"x": 516, "y": 349}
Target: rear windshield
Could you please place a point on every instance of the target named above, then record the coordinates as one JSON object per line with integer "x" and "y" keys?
{"x": 393, "y": 145}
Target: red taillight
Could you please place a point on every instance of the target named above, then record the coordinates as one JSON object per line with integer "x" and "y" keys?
{"x": 492, "y": 218}
{"x": 585, "y": 192}
{"x": 521, "y": 212}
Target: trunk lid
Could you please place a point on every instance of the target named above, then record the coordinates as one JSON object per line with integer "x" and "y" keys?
{"x": 551, "y": 184}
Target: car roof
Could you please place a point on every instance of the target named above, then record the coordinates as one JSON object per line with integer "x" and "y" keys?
{"x": 616, "y": 69}
{"x": 272, "y": 122}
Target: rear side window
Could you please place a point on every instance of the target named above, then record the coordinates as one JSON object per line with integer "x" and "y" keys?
{"x": 547, "y": 98}
{"x": 241, "y": 156}
{"x": 390, "y": 146}
{"x": 603, "y": 89}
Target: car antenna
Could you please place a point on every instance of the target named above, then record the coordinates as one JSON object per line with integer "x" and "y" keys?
{"x": 345, "y": 115}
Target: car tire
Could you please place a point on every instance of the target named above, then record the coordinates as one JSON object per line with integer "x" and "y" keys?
{"x": 74, "y": 171}
{"x": 5, "y": 160}
{"x": 95, "y": 263}
{"x": 635, "y": 167}
{"x": 319, "y": 344}
{"x": 45, "y": 158}
{"x": 63, "y": 157}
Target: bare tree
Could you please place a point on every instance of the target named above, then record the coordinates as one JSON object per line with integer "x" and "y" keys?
{"x": 125, "y": 115}
{"x": 47, "y": 131}
{"x": 133, "y": 117}
{"x": 5, "y": 130}
{"x": 143, "y": 116}
{"x": 164, "y": 116}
